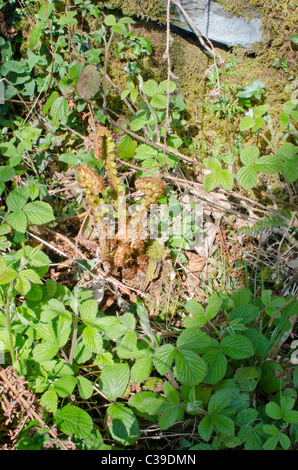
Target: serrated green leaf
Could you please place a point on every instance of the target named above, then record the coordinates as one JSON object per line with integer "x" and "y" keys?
{"x": 249, "y": 155}
{"x": 193, "y": 339}
{"x": 85, "y": 387}
{"x": 122, "y": 424}
{"x": 17, "y": 199}
{"x": 212, "y": 164}
{"x": 170, "y": 416}
{"x": 150, "y": 88}
{"x": 141, "y": 369}
{"x": 59, "y": 109}
{"x": 210, "y": 181}
{"x": 18, "y": 221}
{"x": 110, "y": 20}
{"x": 126, "y": 147}
{"x": 269, "y": 164}
{"x": 291, "y": 416}
{"x": 247, "y": 177}
{"x": 163, "y": 358}
{"x": 217, "y": 365}
{"x": 45, "y": 351}
{"x": 190, "y": 369}
{"x": 206, "y": 428}
{"x": 22, "y": 285}
{"x": 6, "y": 173}
{"x": 273, "y": 410}
{"x": 39, "y": 212}
{"x": 193, "y": 307}
{"x": 226, "y": 179}
{"x": 49, "y": 400}
{"x": 6, "y": 274}
{"x": 224, "y": 425}
{"x": 219, "y": 401}
{"x": 259, "y": 122}
{"x": 127, "y": 346}
{"x": 237, "y": 347}
{"x": 88, "y": 311}
{"x": 284, "y": 119}
{"x": 92, "y": 339}
{"x": 247, "y": 378}
{"x": 64, "y": 386}
{"x": 271, "y": 443}
{"x": 290, "y": 170}
{"x": 213, "y": 306}
{"x": 246, "y": 123}
{"x": 72, "y": 420}
{"x": 284, "y": 441}
{"x": 154, "y": 406}
{"x": 287, "y": 151}
{"x": 162, "y": 87}
{"x": 159, "y": 101}
{"x": 171, "y": 393}
{"x": 114, "y": 379}
{"x": 246, "y": 313}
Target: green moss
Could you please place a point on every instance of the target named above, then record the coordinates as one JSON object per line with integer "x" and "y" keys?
{"x": 144, "y": 9}
{"x": 157, "y": 252}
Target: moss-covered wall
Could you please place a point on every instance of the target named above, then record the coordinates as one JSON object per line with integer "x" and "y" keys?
{"x": 190, "y": 63}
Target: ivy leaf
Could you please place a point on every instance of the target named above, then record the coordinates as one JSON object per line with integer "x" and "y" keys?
{"x": 88, "y": 82}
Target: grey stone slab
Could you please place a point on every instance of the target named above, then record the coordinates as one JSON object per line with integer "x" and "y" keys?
{"x": 219, "y": 25}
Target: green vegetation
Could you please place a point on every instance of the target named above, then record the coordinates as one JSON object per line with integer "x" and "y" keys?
{"x": 194, "y": 333}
